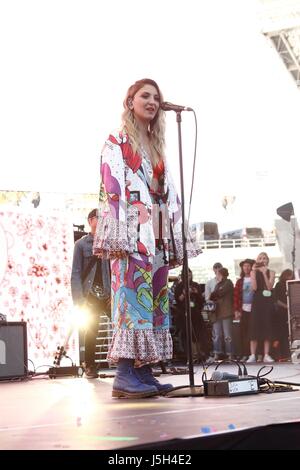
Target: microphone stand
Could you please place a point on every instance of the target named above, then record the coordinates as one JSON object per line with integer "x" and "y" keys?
{"x": 185, "y": 265}
{"x": 193, "y": 391}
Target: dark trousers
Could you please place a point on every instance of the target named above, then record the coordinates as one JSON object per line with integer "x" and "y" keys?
{"x": 245, "y": 333}
{"x": 90, "y": 337}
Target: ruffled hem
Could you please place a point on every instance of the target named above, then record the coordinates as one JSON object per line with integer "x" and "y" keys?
{"x": 176, "y": 248}
{"x": 144, "y": 346}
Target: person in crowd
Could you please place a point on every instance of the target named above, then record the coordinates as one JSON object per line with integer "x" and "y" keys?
{"x": 281, "y": 347}
{"x": 171, "y": 293}
{"x": 222, "y": 326}
{"x": 199, "y": 333}
{"x": 178, "y": 332}
{"x": 174, "y": 325}
{"x": 243, "y": 296}
{"x": 141, "y": 235}
{"x": 262, "y": 280}
{"x": 211, "y": 283}
{"x": 90, "y": 287}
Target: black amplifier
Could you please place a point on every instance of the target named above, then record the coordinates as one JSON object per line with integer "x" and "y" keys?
{"x": 244, "y": 385}
{"x": 13, "y": 350}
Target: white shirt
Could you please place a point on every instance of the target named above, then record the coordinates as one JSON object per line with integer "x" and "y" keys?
{"x": 210, "y": 287}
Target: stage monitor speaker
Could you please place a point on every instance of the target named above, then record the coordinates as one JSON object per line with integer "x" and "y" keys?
{"x": 286, "y": 211}
{"x": 293, "y": 292}
{"x": 13, "y": 350}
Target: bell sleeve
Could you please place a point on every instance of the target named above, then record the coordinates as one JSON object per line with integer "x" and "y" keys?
{"x": 111, "y": 237}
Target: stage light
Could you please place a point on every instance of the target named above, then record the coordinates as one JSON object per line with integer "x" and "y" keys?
{"x": 80, "y": 317}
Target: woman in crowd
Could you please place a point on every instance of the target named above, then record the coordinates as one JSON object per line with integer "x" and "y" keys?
{"x": 262, "y": 280}
{"x": 243, "y": 296}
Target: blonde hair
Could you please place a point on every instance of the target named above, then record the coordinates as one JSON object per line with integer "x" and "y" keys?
{"x": 263, "y": 253}
{"x": 156, "y": 131}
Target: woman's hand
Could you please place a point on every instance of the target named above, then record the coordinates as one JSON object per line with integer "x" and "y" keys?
{"x": 263, "y": 269}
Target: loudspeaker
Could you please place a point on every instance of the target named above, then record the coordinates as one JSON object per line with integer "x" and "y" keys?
{"x": 13, "y": 350}
{"x": 293, "y": 297}
{"x": 286, "y": 211}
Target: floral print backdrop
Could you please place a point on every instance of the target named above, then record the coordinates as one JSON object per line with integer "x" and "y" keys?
{"x": 35, "y": 266}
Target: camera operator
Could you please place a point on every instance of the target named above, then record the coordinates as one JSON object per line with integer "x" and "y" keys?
{"x": 199, "y": 333}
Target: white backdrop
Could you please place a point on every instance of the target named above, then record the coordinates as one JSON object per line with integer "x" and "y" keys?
{"x": 37, "y": 251}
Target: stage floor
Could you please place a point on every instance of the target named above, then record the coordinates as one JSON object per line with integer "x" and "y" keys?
{"x": 77, "y": 413}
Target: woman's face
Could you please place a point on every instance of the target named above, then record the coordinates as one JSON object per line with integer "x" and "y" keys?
{"x": 247, "y": 268}
{"x": 146, "y": 103}
{"x": 262, "y": 258}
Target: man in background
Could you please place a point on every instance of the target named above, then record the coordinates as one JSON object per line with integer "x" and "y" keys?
{"x": 90, "y": 286}
{"x": 211, "y": 284}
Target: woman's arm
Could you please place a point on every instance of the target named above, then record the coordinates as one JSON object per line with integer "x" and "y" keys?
{"x": 281, "y": 304}
{"x": 253, "y": 279}
{"x": 111, "y": 237}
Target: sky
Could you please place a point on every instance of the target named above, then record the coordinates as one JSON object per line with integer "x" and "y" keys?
{"x": 67, "y": 64}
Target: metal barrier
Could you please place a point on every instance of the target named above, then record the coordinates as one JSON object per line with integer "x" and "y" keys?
{"x": 103, "y": 340}
{"x": 238, "y": 243}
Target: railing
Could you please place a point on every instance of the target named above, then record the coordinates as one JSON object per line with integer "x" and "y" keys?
{"x": 104, "y": 338}
{"x": 238, "y": 243}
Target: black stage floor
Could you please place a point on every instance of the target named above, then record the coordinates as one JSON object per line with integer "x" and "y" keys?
{"x": 77, "y": 413}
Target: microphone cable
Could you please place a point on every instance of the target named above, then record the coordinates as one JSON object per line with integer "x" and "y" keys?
{"x": 194, "y": 164}
{"x": 237, "y": 363}
{"x": 241, "y": 372}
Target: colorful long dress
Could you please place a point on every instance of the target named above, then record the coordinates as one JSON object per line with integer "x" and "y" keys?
{"x": 140, "y": 219}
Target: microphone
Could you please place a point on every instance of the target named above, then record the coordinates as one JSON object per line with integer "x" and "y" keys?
{"x": 166, "y": 106}
{"x": 218, "y": 375}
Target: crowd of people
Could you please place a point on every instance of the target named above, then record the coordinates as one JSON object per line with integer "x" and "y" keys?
{"x": 250, "y": 317}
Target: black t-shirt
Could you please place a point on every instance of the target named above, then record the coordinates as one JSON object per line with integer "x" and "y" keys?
{"x": 98, "y": 275}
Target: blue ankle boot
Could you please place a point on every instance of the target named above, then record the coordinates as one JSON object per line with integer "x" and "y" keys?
{"x": 127, "y": 384}
{"x": 146, "y": 376}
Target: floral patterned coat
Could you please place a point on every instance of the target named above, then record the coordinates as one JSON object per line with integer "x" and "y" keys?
{"x": 129, "y": 220}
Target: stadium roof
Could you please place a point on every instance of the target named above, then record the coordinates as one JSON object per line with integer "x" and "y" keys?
{"x": 280, "y": 21}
